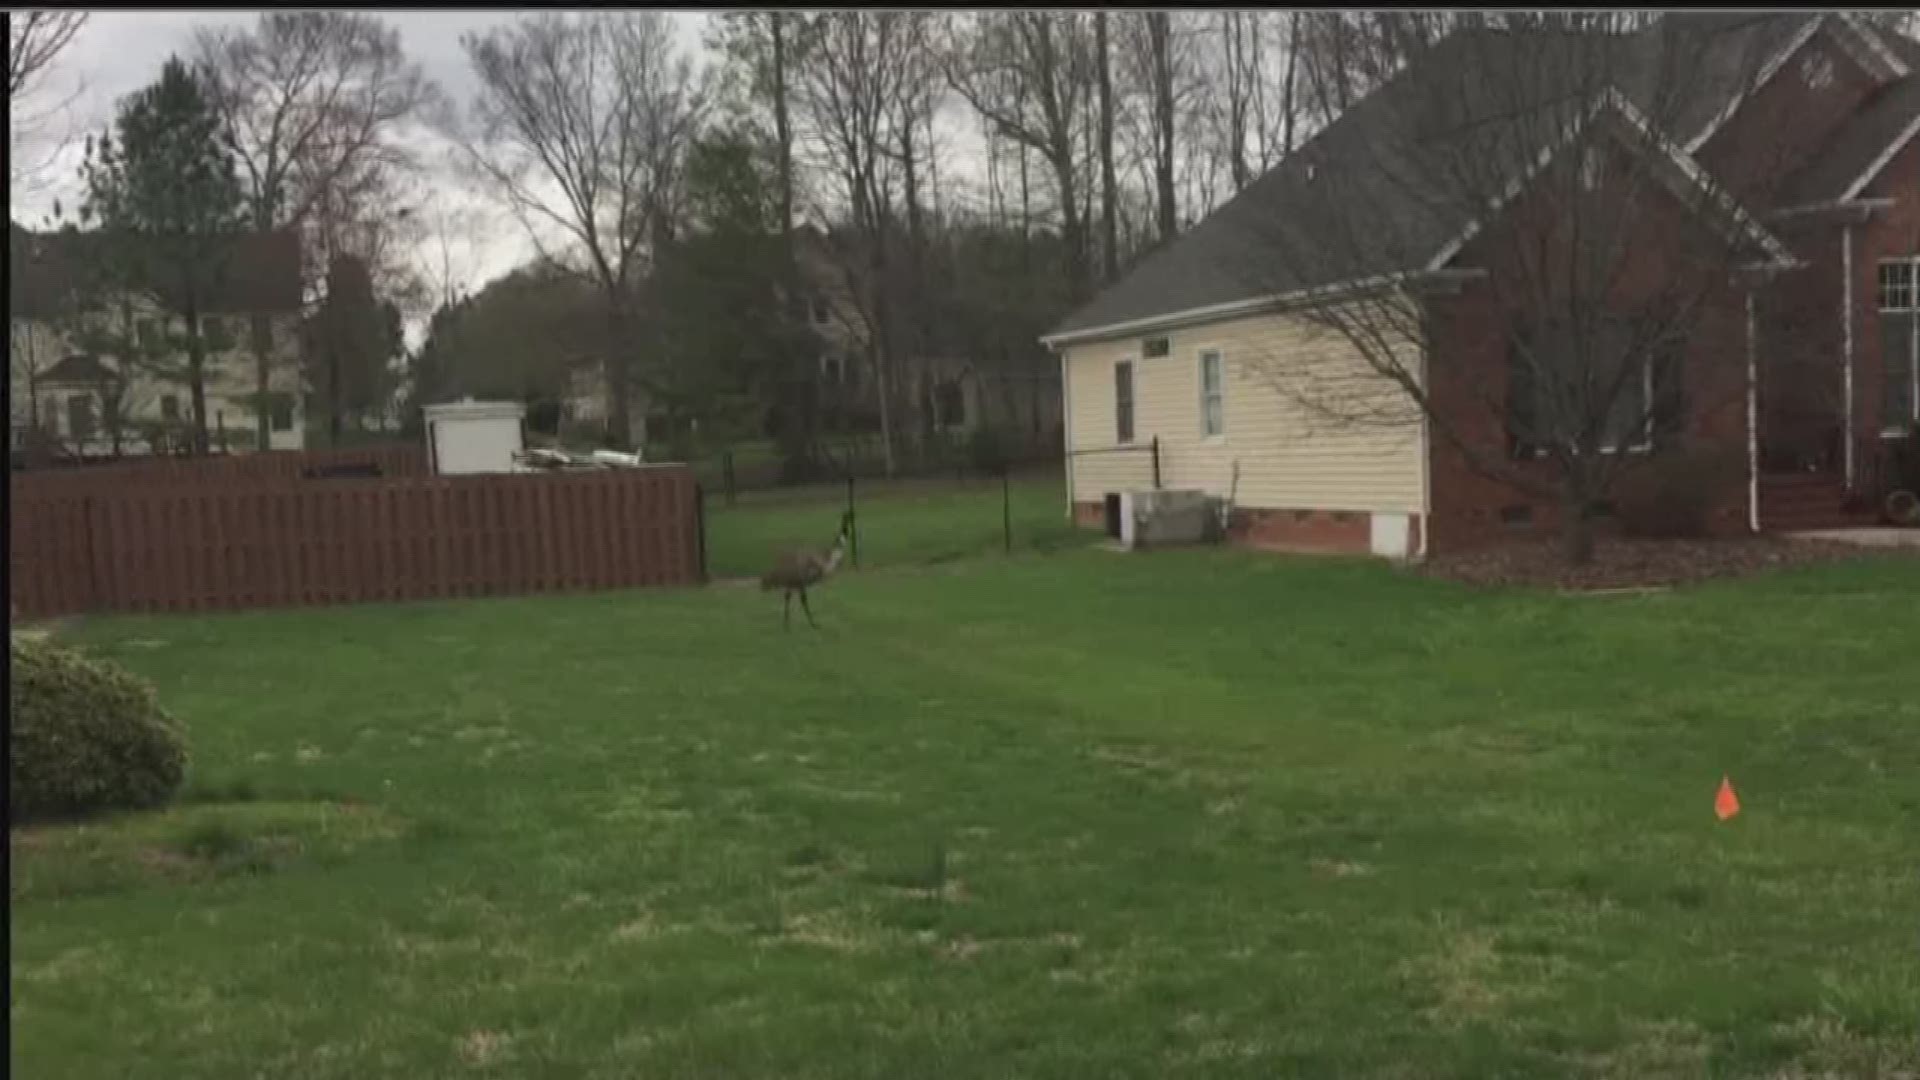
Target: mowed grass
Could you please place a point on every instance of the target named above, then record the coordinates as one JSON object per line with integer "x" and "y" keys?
{"x": 1198, "y": 813}
{"x": 911, "y": 522}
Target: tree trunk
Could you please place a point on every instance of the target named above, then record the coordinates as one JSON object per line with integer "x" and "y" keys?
{"x": 1109, "y": 188}
{"x": 262, "y": 340}
{"x": 1286, "y": 92}
{"x": 1576, "y": 526}
{"x": 619, "y": 432}
{"x": 197, "y": 380}
{"x": 782, "y": 129}
{"x": 1160, "y": 45}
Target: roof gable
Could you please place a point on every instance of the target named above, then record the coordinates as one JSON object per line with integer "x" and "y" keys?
{"x": 1356, "y": 202}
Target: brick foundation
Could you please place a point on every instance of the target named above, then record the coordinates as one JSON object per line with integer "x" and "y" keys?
{"x": 1342, "y": 531}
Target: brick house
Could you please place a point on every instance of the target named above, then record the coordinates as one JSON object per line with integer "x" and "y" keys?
{"x": 1789, "y": 146}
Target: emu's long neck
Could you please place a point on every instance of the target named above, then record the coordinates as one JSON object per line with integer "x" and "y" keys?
{"x": 833, "y": 557}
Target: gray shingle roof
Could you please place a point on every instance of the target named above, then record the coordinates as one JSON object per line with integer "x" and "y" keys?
{"x": 262, "y": 272}
{"x": 1366, "y": 195}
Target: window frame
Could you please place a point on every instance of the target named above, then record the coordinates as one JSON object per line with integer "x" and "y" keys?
{"x": 1650, "y": 423}
{"x": 1219, "y": 355}
{"x": 1128, "y": 434}
{"x": 1909, "y": 291}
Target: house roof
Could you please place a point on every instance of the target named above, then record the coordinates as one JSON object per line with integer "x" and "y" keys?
{"x": 1356, "y": 202}
{"x": 79, "y": 369}
{"x": 1855, "y": 152}
{"x": 44, "y": 268}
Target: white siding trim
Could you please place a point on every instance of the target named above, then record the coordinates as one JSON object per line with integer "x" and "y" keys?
{"x": 1066, "y": 428}
{"x": 1258, "y": 305}
{"x": 1886, "y": 156}
{"x": 1767, "y": 72}
{"x": 1691, "y": 170}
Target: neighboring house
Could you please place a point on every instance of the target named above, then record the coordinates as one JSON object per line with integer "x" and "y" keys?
{"x": 940, "y": 391}
{"x": 79, "y": 402}
{"x": 1167, "y": 363}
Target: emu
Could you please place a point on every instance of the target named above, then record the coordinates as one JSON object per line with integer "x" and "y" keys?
{"x": 795, "y": 571}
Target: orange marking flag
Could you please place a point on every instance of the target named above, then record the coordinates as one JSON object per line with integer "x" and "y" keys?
{"x": 1726, "y": 803}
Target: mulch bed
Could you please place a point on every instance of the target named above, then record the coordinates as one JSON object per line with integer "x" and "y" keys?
{"x": 1636, "y": 564}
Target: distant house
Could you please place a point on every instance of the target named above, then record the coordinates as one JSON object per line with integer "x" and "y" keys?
{"x": 942, "y": 389}
{"x": 61, "y": 394}
{"x": 1165, "y": 357}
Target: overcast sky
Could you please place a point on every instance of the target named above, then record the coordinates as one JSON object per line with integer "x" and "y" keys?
{"x": 119, "y": 52}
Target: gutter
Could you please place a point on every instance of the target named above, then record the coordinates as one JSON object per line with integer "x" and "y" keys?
{"x": 1860, "y": 209}
{"x": 1299, "y": 298}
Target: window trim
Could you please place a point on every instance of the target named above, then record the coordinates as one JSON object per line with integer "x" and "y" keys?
{"x": 1132, "y": 435}
{"x": 1911, "y": 309}
{"x": 1649, "y": 423}
{"x": 1219, "y": 354}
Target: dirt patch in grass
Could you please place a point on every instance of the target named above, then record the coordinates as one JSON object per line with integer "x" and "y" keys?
{"x": 188, "y": 842}
{"x": 1634, "y": 564}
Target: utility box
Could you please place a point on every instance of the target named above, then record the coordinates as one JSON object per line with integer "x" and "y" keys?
{"x": 1165, "y": 517}
{"x": 470, "y": 436}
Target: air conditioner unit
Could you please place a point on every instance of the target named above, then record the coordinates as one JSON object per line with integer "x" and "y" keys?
{"x": 1166, "y": 517}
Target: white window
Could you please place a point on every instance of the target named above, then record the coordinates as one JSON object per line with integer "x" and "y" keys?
{"x": 1899, "y": 297}
{"x": 1123, "y": 401}
{"x": 1213, "y": 419}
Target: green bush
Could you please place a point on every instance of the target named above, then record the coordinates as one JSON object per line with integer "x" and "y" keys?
{"x": 1673, "y": 498}
{"x": 86, "y": 736}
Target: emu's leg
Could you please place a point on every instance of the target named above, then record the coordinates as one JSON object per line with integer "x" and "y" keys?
{"x": 808, "y": 608}
{"x": 786, "y": 610}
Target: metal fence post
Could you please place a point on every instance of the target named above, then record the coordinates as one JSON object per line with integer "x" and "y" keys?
{"x": 1006, "y": 513}
{"x": 1156, "y": 462}
{"x": 853, "y": 526}
{"x": 700, "y": 527}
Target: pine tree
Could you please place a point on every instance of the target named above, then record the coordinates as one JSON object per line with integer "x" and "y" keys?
{"x": 168, "y": 204}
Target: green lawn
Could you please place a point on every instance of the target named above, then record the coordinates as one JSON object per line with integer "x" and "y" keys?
{"x": 899, "y": 523}
{"x": 1083, "y": 814}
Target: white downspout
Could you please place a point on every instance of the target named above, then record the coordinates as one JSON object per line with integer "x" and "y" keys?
{"x": 1846, "y": 345}
{"x": 1753, "y": 418}
{"x": 1066, "y": 428}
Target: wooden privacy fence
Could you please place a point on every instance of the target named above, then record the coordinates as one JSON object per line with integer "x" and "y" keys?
{"x": 268, "y": 467}
{"x": 151, "y": 548}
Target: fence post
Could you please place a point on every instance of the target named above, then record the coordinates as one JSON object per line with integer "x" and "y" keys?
{"x": 853, "y": 527}
{"x": 1156, "y": 463}
{"x": 1006, "y": 513}
{"x": 700, "y": 526}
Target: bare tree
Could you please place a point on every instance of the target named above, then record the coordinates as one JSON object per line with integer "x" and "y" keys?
{"x": 857, "y": 67}
{"x": 1607, "y": 274}
{"x": 35, "y": 39}
{"x": 311, "y": 105}
{"x": 583, "y": 121}
{"x": 1029, "y": 73}
{"x": 1159, "y": 59}
{"x": 1109, "y": 185}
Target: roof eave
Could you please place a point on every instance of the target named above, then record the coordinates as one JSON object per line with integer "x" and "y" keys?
{"x": 1264, "y": 305}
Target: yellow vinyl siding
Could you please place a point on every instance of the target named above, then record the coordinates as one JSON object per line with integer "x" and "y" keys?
{"x": 1280, "y": 375}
